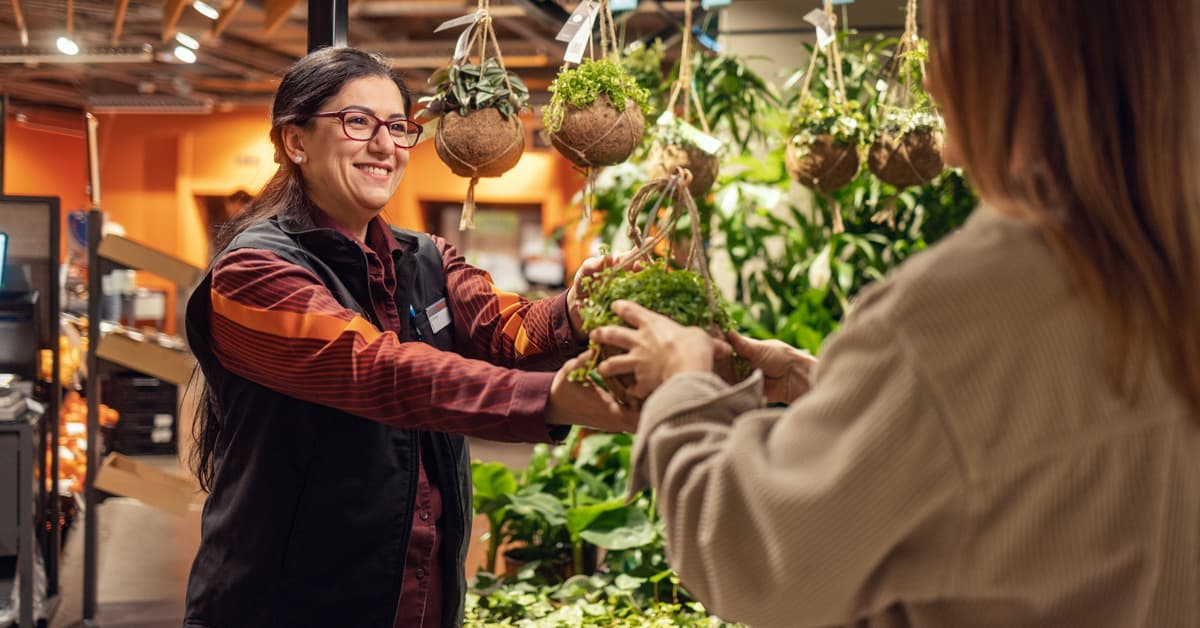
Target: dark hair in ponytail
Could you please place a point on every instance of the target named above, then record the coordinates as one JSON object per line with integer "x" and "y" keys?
{"x": 307, "y": 85}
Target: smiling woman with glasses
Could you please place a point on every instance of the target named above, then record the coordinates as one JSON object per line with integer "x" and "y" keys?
{"x": 345, "y": 361}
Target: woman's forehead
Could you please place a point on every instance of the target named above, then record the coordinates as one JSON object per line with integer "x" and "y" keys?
{"x": 378, "y": 94}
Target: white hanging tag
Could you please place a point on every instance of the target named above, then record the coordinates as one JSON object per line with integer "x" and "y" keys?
{"x": 575, "y": 22}
{"x": 464, "y": 40}
{"x": 702, "y": 140}
{"x": 583, "y": 34}
{"x": 825, "y": 34}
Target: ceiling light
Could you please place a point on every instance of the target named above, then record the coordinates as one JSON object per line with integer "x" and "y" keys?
{"x": 187, "y": 40}
{"x": 67, "y": 46}
{"x": 185, "y": 54}
{"x": 205, "y": 9}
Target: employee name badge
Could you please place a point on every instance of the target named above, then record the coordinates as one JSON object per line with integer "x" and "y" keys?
{"x": 438, "y": 315}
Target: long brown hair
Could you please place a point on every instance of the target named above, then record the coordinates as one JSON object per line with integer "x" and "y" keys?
{"x": 305, "y": 88}
{"x": 1083, "y": 116}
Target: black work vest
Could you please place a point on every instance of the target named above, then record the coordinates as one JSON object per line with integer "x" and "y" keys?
{"x": 311, "y": 508}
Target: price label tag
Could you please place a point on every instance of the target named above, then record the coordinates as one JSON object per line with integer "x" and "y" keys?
{"x": 702, "y": 140}
{"x": 464, "y": 40}
{"x": 578, "y": 30}
{"x": 825, "y": 34}
{"x": 708, "y": 4}
{"x": 623, "y": 5}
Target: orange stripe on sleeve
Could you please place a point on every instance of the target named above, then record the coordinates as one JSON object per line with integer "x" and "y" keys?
{"x": 308, "y": 326}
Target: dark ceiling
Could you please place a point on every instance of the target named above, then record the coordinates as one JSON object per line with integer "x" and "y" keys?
{"x": 125, "y": 62}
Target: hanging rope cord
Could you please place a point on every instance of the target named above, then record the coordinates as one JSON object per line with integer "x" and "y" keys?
{"x": 674, "y": 187}
{"x": 683, "y": 84}
{"x": 610, "y": 48}
{"x": 837, "y": 84}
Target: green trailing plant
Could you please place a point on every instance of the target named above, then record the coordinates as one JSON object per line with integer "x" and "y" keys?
{"x": 582, "y": 85}
{"x": 469, "y": 87}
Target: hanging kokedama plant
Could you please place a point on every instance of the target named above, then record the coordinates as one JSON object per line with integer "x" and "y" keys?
{"x": 907, "y": 149}
{"x": 480, "y": 133}
{"x": 678, "y": 144}
{"x": 822, "y": 153}
{"x": 596, "y": 114}
{"x": 686, "y": 295}
{"x": 822, "y": 150}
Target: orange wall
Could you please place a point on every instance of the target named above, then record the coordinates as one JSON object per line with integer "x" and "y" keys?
{"x": 152, "y": 168}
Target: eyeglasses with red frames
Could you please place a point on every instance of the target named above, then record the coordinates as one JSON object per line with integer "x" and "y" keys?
{"x": 362, "y": 126}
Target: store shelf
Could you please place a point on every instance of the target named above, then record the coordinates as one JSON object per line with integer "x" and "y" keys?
{"x": 144, "y": 356}
{"x": 126, "y": 252}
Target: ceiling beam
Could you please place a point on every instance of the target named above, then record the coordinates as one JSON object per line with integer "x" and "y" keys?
{"x": 277, "y": 12}
{"x": 515, "y": 61}
{"x": 19, "y": 17}
{"x": 172, "y": 10}
{"x": 225, "y": 17}
{"x": 118, "y": 19}
{"x": 407, "y": 8}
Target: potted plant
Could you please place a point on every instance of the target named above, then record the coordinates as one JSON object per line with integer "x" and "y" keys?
{"x": 676, "y": 146}
{"x": 822, "y": 152}
{"x": 596, "y": 114}
{"x": 480, "y": 133}
{"x": 907, "y": 149}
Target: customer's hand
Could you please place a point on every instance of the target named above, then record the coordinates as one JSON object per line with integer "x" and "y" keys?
{"x": 656, "y": 348}
{"x": 577, "y": 293}
{"x": 787, "y": 371}
{"x": 572, "y": 403}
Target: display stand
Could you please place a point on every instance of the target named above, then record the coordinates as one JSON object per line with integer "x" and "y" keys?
{"x": 134, "y": 352}
{"x": 33, "y": 224}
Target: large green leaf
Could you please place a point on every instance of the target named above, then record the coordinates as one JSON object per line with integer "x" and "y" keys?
{"x": 493, "y": 485}
{"x": 619, "y": 529}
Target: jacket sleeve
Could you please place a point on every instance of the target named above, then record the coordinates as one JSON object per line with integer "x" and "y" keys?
{"x": 275, "y": 323}
{"x": 503, "y": 327}
{"x": 822, "y": 513}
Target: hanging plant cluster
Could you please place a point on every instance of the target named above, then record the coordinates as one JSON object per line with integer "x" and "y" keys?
{"x": 825, "y": 137}
{"x": 479, "y": 133}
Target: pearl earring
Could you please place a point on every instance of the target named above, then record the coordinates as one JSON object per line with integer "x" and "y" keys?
{"x": 298, "y": 159}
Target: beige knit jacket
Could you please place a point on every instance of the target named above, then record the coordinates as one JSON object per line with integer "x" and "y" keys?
{"x": 961, "y": 460}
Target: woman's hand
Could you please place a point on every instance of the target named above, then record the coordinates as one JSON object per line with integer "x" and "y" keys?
{"x": 656, "y": 348}
{"x": 576, "y": 293}
{"x": 787, "y": 371}
{"x": 572, "y": 403}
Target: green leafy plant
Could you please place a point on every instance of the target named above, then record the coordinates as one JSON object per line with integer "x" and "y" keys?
{"x": 917, "y": 112}
{"x": 845, "y": 123}
{"x": 734, "y": 98}
{"x": 644, "y": 62}
{"x": 677, "y": 294}
{"x": 468, "y": 87}
{"x": 582, "y": 85}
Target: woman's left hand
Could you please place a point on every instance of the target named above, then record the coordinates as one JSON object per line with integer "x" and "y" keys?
{"x": 656, "y": 348}
{"x": 576, "y": 293}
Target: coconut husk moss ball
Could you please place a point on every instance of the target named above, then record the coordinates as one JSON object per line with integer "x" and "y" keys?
{"x": 599, "y": 135}
{"x": 665, "y": 158}
{"x": 822, "y": 164}
{"x": 482, "y": 144}
{"x": 913, "y": 158}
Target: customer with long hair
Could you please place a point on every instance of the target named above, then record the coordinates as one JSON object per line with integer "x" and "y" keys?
{"x": 345, "y": 361}
{"x": 1006, "y": 431}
